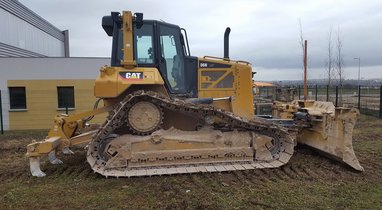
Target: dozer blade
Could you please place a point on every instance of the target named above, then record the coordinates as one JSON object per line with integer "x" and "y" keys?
{"x": 330, "y": 131}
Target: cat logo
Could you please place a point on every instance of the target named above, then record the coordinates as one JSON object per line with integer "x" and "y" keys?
{"x": 131, "y": 75}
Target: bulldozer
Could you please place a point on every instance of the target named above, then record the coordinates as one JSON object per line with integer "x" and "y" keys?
{"x": 169, "y": 112}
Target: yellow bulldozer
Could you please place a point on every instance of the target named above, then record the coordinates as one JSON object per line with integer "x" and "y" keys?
{"x": 173, "y": 113}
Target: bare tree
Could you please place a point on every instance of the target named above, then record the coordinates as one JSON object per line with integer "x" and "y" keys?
{"x": 329, "y": 63}
{"x": 339, "y": 63}
{"x": 304, "y": 45}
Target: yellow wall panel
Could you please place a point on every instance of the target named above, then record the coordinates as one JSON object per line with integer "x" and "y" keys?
{"x": 42, "y": 102}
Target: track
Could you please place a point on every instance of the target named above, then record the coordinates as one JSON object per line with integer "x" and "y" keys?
{"x": 281, "y": 152}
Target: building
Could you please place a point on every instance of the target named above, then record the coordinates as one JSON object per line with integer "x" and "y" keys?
{"x": 34, "y": 90}
{"x": 38, "y": 79}
{"x": 265, "y": 89}
{"x": 26, "y": 34}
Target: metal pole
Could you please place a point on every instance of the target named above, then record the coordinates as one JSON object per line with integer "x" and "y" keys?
{"x": 359, "y": 97}
{"x": 316, "y": 92}
{"x": 359, "y": 69}
{"x": 380, "y": 102}
{"x": 305, "y": 70}
{"x": 1, "y": 115}
{"x": 336, "y": 95}
{"x": 327, "y": 93}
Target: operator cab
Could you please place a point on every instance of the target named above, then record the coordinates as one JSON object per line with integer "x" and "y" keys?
{"x": 160, "y": 45}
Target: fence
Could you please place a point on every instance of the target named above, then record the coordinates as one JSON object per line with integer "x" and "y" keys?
{"x": 368, "y": 99}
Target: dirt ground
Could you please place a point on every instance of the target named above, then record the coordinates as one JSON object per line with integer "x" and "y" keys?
{"x": 308, "y": 181}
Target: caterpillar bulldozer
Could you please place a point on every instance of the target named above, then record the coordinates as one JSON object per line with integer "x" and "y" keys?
{"x": 173, "y": 113}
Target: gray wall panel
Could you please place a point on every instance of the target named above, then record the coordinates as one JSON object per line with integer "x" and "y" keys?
{"x": 11, "y": 51}
{"x": 19, "y": 10}
{"x": 21, "y": 34}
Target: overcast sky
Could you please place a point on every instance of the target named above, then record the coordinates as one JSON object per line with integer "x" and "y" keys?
{"x": 265, "y": 33}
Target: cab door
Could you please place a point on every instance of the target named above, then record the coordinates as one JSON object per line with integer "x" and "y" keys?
{"x": 171, "y": 58}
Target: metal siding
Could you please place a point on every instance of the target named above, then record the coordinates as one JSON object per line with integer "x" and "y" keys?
{"x": 19, "y": 10}
{"x": 21, "y": 34}
{"x": 50, "y": 68}
{"x": 11, "y": 51}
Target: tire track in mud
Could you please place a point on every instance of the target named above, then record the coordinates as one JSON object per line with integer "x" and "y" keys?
{"x": 285, "y": 173}
{"x": 260, "y": 176}
{"x": 250, "y": 177}
{"x": 309, "y": 173}
{"x": 196, "y": 180}
{"x": 13, "y": 174}
{"x": 68, "y": 173}
{"x": 239, "y": 176}
{"x": 297, "y": 169}
{"x": 300, "y": 172}
{"x": 288, "y": 172}
{"x": 282, "y": 175}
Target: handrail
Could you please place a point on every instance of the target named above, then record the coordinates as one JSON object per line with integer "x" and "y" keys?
{"x": 217, "y": 58}
{"x": 227, "y": 60}
{"x": 245, "y": 62}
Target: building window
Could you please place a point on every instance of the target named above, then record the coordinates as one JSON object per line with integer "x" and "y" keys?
{"x": 65, "y": 97}
{"x": 17, "y": 98}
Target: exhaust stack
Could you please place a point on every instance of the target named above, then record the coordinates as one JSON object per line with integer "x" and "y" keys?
{"x": 226, "y": 42}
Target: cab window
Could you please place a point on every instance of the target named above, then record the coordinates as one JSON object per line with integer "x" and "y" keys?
{"x": 144, "y": 50}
